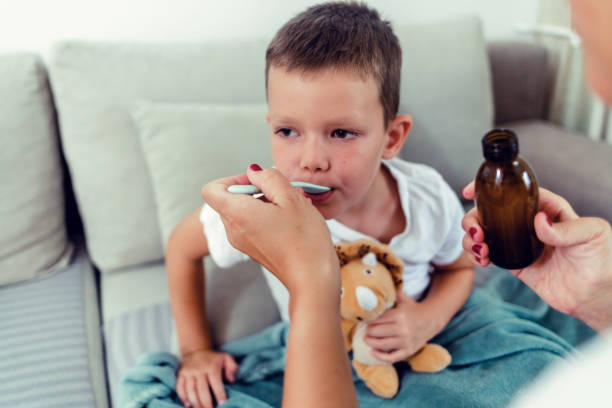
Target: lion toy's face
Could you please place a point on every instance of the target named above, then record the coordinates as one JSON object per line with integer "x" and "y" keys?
{"x": 367, "y": 289}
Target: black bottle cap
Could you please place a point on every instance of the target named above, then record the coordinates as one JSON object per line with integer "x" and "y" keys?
{"x": 500, "y": 145}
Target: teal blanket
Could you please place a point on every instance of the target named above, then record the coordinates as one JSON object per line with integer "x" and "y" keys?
{"x": 500, "y": 340}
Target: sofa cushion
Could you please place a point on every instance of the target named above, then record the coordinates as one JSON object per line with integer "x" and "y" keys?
{"x": 50, "y": 342}
{"x": 522, "y": 80}
{"x": 130, "y": 335}
{"x": 446, "y": 87}
{"x": 95, "y": 85}
{"x": 188, "y": 145}
{"x": 33, "y": 241}
{"x": 185, "y": 147}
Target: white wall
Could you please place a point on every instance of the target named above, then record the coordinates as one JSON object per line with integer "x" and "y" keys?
{"x": 34, "y": 25}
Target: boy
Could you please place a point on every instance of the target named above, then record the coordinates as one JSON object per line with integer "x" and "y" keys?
{"x": 332, "y": 80}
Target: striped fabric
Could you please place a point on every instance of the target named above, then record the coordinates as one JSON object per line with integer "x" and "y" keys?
{"x": 44, "y": 360}
{"x": 133, "y": 333}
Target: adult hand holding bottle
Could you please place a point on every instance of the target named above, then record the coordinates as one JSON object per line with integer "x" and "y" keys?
{"x": 574, "y": 272}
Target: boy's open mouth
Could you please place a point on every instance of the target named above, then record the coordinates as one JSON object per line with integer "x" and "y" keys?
{"x": 320, "y": 197}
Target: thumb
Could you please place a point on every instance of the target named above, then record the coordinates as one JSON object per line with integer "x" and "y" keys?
{"x": 469, "y": 191}
{"x": 274, "y": 186}
{"x": 567, "y": 233}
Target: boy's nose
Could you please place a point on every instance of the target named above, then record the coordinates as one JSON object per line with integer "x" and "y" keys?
{"x": 314, "y": 156}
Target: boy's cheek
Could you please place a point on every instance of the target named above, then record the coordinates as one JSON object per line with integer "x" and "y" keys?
{"x": 285, "y": 169}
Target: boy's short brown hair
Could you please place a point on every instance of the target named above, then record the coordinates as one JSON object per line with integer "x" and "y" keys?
{"x": 342, "y": 35}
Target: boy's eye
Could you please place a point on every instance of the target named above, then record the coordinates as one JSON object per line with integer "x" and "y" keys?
{"x": 343, "y": 134}
{"x": 286, "y": 132}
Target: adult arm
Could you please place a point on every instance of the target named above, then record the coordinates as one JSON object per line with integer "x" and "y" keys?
{"x": 287, "y": 235}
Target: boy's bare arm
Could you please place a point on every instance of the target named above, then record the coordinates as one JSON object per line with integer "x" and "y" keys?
{"x": 450, "y": 288}
{"x": 186, "y": 281}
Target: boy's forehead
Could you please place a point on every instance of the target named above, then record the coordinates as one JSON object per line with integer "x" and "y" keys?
{"x": 327, "y": 83}
{"x": 277, "y": 72}
{"x": 331, "y": 96}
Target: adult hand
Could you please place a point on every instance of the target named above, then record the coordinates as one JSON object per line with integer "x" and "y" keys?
{"x": 285, "y": 233}
{"x": 574, "y": 272}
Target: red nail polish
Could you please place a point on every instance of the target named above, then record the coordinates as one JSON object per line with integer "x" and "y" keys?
{"x": 477, "y": 259}
{"x": 473, "y": 232}
{"x": 255, "y": 167}
{"x": 476, "y": 248}
{"x": 548, "y": 221}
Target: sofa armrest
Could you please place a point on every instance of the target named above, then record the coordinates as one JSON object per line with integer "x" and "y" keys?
{"x": 569, "y": 164}
{"x": 522, "y": 81}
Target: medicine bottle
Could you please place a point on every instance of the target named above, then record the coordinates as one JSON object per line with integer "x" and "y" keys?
{"x": 507, "y": 200}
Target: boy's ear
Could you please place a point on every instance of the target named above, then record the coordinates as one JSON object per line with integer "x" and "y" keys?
{"x": 396, "y": 135}
{"x": 268, "y": 117}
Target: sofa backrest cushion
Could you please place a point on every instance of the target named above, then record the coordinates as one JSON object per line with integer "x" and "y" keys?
{"x": 522, "y": 80}
{"x": 188, "y": 145}
{"x": 446, "y": 87}
{"x": 33, "y": 239}
{"x": 95, "y": 86}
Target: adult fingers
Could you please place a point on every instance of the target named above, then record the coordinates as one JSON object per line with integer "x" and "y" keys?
{"x": 469, "y": 191}
{"x": 216, "y": 195}
{"x": 471, "y": 225}
{"x": 484, "y": 261}
{"x": 556, "y": 207}
{"x": 479, "y": 252}
{"x": 275, "y": 187}
{"x": 568, "y": 233}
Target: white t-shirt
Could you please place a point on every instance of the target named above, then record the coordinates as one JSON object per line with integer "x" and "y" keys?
{"x": 433, "y": 231}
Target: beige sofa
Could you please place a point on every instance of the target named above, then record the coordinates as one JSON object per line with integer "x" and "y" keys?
{"x": 105, "y": 148}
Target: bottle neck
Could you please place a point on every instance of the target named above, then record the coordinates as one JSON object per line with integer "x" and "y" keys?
{"x": 500, "y": 146}
{"x": 508, "y": 160}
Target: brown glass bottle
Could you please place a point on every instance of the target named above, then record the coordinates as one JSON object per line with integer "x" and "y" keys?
{"x": 507, "y": 199}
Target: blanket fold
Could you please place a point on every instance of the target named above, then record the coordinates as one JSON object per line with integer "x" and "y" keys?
{"x": 151, "y": 382}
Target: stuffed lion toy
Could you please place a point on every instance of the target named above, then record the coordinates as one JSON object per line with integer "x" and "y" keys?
{"x": 371, "y": 276}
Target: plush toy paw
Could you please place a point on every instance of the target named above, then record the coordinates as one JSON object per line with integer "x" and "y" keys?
{"x": 430, "y": 359}
{"x": 382, "y": 380}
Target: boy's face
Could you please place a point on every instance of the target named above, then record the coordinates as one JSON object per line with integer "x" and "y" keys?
{"x": 327, "y": 128}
